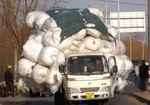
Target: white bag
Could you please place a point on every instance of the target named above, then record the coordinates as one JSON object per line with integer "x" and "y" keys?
{"x": 25, "y": 67}
{"x": 39, "y": 36}
{"x": 129, "y": 66}
{"x": 48, "y": 56}
{"x": 93, "y": 32}
{"x": 79, "y": 35}
{"x": 48, "y": 24}
{"x": 106, "y": 47}
{"x": 119, "y": 47}
{"x": 96, "y": 11}
{"x": 52, "y": 37}
{"x": 54, "y": 88}
{"x": 39, "y": 20}
{"x": 119, "y": 61}
{"x": 39, "y": 74}
{"x": 54, "y": 75}
{"x": 66, "y": 44}
{"x": 113, "y": 31}
{"x": 30, "y": 18}
{"x": 92, "y": 43}
{"x": 33, "y": 85}
{"x": 54, "y": 79}
{"x": 31, "y": 49}
{"x": 121, "y": 84}
{"x": 35, "y": 19}
{"x": 77, "y": 43}
{"x": 61, "y": 59}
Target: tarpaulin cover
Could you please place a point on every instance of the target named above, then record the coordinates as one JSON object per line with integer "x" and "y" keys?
{"x": 72, "y": 21}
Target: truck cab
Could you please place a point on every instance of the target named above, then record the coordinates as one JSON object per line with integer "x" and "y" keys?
{"x": 87, "y": 78}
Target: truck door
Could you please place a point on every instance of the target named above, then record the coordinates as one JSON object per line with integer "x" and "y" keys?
{"x": 112, "y": 64}
{"x": 113, "y": 70}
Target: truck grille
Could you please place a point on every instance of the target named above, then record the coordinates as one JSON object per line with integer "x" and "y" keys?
{"x": 94, "y": 89}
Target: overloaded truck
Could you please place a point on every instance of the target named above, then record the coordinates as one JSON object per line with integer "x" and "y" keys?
{"x": 86, "y": 86}
{"x": 60, "y": 58}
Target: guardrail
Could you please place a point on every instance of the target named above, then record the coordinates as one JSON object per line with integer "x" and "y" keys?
{"x": 2, "y": 89}
{"x": 16, "y": 88}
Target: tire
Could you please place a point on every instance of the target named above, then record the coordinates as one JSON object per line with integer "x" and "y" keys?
{"x": 58, "y": 98}
{"x": 105, "y": 102}
{"x": 67, "y": 102}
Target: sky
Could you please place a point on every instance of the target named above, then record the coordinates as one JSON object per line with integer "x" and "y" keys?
{"x": 112, "y": 6}
{"x": 125, "y": 5}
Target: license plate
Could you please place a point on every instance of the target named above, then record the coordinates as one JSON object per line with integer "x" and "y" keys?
{"x": 90, "y": 95}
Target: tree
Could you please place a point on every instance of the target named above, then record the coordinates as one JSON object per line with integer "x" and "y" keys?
{"x": 12, "y": 16}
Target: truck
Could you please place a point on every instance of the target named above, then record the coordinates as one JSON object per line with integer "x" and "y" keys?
{"x": 92, "y": 88}
{"x": 76, "y": 35}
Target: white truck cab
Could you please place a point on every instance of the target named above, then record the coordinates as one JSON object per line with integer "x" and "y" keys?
{"x": 87, "y": 79}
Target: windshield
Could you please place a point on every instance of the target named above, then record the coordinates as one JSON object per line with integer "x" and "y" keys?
{"x": 87, "y": 65}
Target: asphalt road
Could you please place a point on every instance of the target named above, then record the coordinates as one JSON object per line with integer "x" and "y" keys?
{"x": 119, "y": 99}
{"x": 124, "y": 98}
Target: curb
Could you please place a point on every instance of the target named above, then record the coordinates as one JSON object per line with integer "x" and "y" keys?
{"x": 140, "y": 98}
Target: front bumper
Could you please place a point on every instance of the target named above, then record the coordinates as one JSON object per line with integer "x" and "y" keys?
{"x": 83, "y": 96}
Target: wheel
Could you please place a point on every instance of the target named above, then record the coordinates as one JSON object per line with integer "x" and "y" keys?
{"x": 105, "y": 102}
{"x": 67, "y": 102}
{"x": 58, "y": 98}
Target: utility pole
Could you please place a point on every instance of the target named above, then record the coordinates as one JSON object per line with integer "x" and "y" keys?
{"x": 148, "y": 31}
{"x": 106, "y": 13}
{"x": 119, "y": 19}
{"x": 130, "y": 46}
{"x": 148, "y": 44}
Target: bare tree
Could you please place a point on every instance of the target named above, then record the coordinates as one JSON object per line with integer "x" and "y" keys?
{"x": 13, "y": 13}
{"x": 12, "y": 16}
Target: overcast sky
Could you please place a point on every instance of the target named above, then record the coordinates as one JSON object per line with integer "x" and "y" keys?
{"x": 112, "y": 5}
{"x": 125, "y": 5}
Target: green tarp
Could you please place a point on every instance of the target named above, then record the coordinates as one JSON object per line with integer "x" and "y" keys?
{"x": 72, "y": 21}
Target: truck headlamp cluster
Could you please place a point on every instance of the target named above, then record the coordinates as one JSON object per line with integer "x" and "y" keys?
{"x": 72, "y": 90}
{"x": 105, "y": 89}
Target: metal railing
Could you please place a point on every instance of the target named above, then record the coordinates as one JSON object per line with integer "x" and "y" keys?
{"x": 16, "y": 88}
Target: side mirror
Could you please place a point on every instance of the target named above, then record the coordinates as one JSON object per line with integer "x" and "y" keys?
{"x": 61, "y": 70}
{"x": 115, "y": 69}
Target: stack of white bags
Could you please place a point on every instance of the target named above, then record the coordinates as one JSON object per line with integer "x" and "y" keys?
{"x": 44, "y": 52}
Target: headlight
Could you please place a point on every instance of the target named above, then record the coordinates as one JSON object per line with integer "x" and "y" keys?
{"x": 72, "y": 90}
{"x": 105, "y": 89}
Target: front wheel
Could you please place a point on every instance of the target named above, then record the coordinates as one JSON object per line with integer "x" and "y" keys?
{"x": 67, "y": 102}
{"x": 105, "y": 102}
{"x": 58, "y": 98}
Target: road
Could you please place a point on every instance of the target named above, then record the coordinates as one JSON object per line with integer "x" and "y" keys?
{"x": 118, "y": 99}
